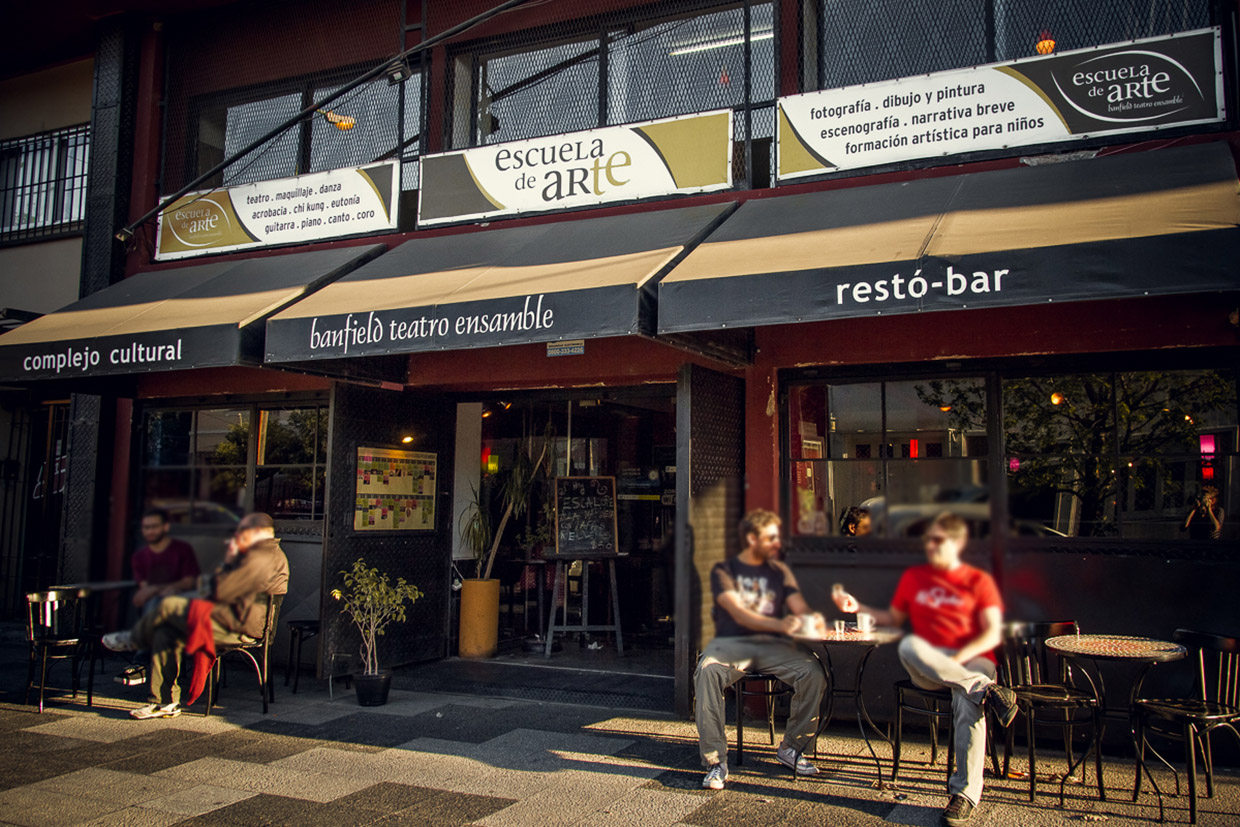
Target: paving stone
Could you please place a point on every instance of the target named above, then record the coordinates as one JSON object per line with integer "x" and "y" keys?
{"x": 121, "y": 788}
{"x": 198, "y": 799}
{"x": 351, "y": 764}
{"x": 644, "y": 808}
{"x": 135, "y": 817}
{"x": 32, "y": 807}
{"x": 448, "y": 810}
{"x": 260, "y": 778}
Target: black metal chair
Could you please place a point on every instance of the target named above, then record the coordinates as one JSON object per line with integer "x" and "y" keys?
{"x": 1049, "y": 697}
{"x": 299, "y": 631}
{"x": 248, "y": 647}
{"x": 770, "y": 688}
{"x": 1215, "y": 705}
{"x": 54, "y": 631}
{"x": 935, "y": 704}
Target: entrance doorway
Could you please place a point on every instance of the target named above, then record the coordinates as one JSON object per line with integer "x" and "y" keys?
{"x": 628, "y": 435}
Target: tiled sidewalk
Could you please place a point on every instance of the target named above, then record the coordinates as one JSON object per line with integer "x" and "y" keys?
{"x": 437, "y": 759}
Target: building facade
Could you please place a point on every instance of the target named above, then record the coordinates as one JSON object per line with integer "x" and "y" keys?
{"x": 975, "y": 256}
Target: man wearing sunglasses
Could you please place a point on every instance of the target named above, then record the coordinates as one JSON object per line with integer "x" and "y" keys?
{"x": 957, "y": 618}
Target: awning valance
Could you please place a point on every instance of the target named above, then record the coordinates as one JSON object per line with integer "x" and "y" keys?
{"x": 208, "y": 315}
{"x": 569, "y": 279}
{"x": 1138, "y": 224}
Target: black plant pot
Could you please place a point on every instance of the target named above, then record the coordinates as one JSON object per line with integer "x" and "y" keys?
{"x": 372, "y": 690}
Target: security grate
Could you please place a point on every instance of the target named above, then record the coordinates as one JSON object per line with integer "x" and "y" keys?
{"x": 43, "y": 184}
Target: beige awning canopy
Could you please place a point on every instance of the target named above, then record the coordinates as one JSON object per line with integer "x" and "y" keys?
{"x": 568, "y": 279}
{"x": 1128, "y": 225}
{"x": 205, "y": 315}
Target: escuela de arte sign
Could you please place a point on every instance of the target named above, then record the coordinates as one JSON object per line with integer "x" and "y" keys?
{"x": 332, "y": 204}
{"x": 578, "y": 169}
{"x": 1143, "y": 85}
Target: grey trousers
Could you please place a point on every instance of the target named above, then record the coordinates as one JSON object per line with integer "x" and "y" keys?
{"x": 933, "y": 668}
{"x": 724, "y": 662}
{"x": 163, "y": 632}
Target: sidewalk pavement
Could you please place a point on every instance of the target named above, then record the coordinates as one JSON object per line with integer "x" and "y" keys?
{"x": 441, "y": 759}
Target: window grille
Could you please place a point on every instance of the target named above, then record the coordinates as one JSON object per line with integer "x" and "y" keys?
{"x": 43, "y": 184}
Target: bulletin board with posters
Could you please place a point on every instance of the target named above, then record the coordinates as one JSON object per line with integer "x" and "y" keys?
{"x": 395, "y": 490}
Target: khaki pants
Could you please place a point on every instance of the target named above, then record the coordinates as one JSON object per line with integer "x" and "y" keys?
{"x": 933, "y": 668}
{"x": 163, "y": 631}
{"x": 724, "y": 662}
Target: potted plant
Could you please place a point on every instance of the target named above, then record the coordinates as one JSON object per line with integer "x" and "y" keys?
{"x": 479, "y": 631}
{"x": 373, "y": 601}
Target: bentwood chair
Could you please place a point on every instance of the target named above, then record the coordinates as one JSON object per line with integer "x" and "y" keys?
{"x": 54, "y": 633}
{"x": 256, "y": 650}
{"x": 1215, "y": 705}
{"x": 935, "y": 704}
{"x": 298, "y": 632}
{"x": 756, "y": 684}
{"x": 1049, "y": 696}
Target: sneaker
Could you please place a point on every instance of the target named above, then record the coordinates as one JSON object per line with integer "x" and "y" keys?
{"x": 958, "y": 810}
{"x": 120, "y": 641}
{"x": 786, "y": 756}
{"x": 131, "y": 676}
{"x": 155, "y": 711}
{"x": 1002, "y": 701}
{"x": 715, "y": 776}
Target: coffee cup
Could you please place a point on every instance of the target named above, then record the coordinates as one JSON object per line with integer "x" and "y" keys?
{"x": 865, "y": 622}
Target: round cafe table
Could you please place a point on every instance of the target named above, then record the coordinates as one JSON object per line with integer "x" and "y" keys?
{"x": 865, "y": 643}
{"x": 1141, "y": 652}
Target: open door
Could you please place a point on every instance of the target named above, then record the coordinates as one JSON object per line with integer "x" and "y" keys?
{"x": 710, "y": 472}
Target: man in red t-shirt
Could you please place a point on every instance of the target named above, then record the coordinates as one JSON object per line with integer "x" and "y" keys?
{"x": 957, "y": 618}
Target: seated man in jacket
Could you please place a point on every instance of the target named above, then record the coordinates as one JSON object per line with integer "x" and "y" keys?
{"x": 254, "y": 569}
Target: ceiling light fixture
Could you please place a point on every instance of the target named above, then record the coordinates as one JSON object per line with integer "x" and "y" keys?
{"x": 720, "y": 44}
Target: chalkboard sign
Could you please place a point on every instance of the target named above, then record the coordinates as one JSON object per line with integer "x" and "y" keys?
{"x": 585, "y": 517}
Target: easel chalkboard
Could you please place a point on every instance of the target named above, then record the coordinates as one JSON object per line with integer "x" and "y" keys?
{"x": 585, "y": 517}
{"x": 585, "y": 529}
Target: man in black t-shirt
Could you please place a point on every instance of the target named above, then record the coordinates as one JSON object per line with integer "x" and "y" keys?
{"x": 751, "y": 592}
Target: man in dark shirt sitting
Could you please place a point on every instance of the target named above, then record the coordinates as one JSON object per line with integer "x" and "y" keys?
{"x": 751, "y": 592}
{"x": 254, "y": 569}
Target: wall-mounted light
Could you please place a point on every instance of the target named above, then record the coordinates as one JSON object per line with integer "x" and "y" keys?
{"x": 1056, "y": 398}
{"x": 1045, "y": 44}
{"x": 399, "y": 72}
{"x": 406, "y": 439}
{"x": 342, "y": 122}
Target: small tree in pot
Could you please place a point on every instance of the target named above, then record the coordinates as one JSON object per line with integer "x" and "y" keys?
{"x": 373, "y": 602}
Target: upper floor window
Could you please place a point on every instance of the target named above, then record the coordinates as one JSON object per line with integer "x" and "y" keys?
{"x": 226, "y": 123}
{"x": 862, "y": 41}
{"x": 43, "y": 183}
{"x": 622, "y": 71}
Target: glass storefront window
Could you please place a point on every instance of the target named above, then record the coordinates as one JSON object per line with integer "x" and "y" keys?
{"x": 201, "y": 467}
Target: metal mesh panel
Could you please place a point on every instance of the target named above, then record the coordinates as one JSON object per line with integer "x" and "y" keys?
{"x": 236, "y": 73}
{"x": 863, "y": 41}
{"x": 598, "y": 67}
{"x": 375, "y": 418}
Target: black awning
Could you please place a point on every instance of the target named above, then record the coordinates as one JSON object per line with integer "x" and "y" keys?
{"x": 1140, "y": 224}
{"x": 208, "y": 315}
{"x": 570, "y": 279}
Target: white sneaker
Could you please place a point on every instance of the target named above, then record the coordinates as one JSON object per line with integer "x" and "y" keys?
{"x": 120, "y": 641}
{"x": 715, "y": 776}
{"x": 786, "y": 755}
{"x": 155, "y": 711}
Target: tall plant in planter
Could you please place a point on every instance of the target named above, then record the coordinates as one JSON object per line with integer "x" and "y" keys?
{"x": 373, "y": 602}
{"x": 479, "y": 631}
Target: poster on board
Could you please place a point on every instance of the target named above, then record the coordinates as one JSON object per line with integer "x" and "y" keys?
{"x": 395, "y": 490}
